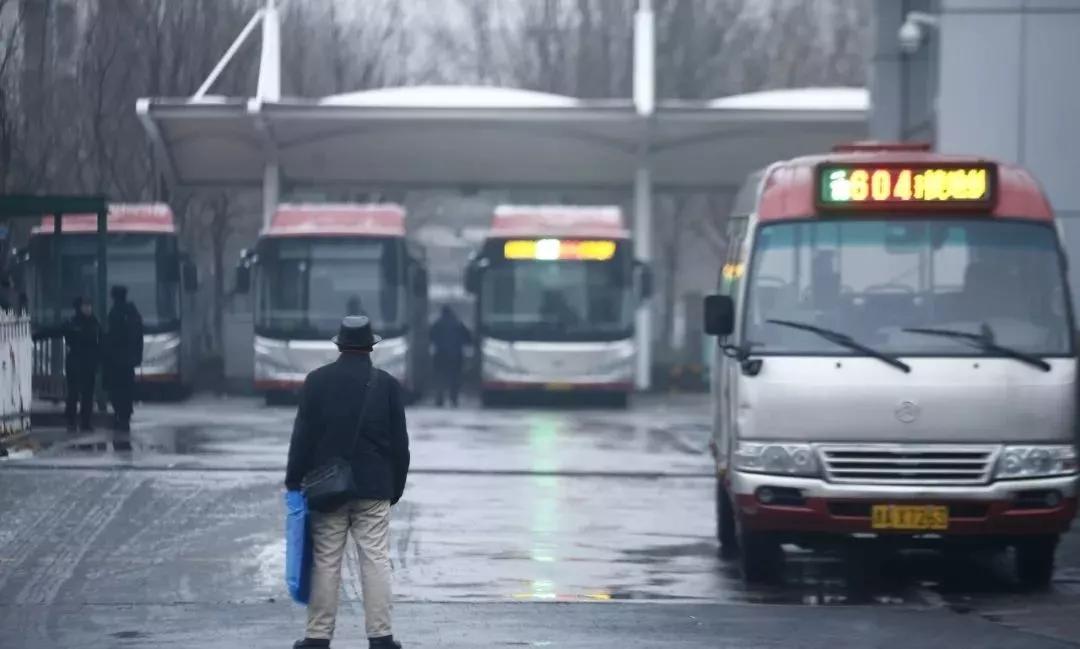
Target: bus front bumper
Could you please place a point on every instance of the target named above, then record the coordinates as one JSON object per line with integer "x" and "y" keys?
{"x": 811, "y": 506}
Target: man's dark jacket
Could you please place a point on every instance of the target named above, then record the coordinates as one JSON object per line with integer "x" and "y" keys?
{"x": 124, "y": 339}
{"x": 449, "y": 336}
{"x": 326, "y": 425}
{"x": 83, "y": 336}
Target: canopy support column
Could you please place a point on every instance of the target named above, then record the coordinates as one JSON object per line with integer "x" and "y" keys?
{"x": 101, "y": 300}
{"x": 58, "y": 267}
{"x": 643, "y": 252}
{"x": 271, "y": 192}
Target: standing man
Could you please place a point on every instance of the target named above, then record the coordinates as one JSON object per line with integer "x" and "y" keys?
{"x": 82, "y": 333}
{"x": 123, "y": 353}
{"x": 328, "y": 427}
{"x": 449, "y": 337}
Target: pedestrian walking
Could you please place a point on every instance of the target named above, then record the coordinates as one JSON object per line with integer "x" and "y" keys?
{"x": 82, "y": 333}
{"x": 350, "y": 425}
{"x": 123, "y": 353}
{"x": 449, "y": 338}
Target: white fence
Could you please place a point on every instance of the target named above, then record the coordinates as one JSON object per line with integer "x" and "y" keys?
{"x": 16, "y": 373}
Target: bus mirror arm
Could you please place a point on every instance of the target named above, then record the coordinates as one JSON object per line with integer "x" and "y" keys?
{"x": 243, "y": 278}
{"x": 472, "y": 279}
{"x": 645, "y": 280}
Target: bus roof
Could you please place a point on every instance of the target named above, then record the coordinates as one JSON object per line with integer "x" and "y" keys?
{"x": 152, "y": 218}
{"x": 337, "y": 219}
{"x": 789, "y": 187}
{"x": 600, "y": 221}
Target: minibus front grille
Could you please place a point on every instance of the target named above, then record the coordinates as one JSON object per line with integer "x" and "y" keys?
{"x": 925, "y": 464}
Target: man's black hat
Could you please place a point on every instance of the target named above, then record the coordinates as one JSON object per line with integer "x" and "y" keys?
{"x": 355, "y": 333}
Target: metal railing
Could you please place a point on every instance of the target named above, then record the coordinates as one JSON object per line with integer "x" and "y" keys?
{"x": 16, "y": 372}
{"x": 48, "y": 369}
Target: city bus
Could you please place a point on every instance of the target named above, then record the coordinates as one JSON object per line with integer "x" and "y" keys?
{"x": 556, "y": 291}
{"x": 896, "y": 362}
{"x": 142, "y": 253}
{"x": 316, "y": 263}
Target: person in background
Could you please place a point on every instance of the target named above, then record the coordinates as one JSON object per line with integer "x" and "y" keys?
{"x": 449, "y": 337}
{"x": 82, "y": 333}
{"x": 123, "y": 353}
{"x": 328, "y": 428}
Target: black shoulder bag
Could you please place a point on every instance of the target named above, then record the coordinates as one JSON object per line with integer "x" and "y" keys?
{"x": 332, "y": 484}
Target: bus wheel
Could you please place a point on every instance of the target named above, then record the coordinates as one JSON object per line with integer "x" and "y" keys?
{"x": 725, "y": 524}
{"x": 760, "y": 557}
{"x": 489, "y": 399}
{"x": 1035, "y": 561}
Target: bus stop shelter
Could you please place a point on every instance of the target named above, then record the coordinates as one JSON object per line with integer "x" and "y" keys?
{"x": 481, "y": 137}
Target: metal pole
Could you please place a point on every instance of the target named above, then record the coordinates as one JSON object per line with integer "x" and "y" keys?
{"x": 102, "y": 297}
{"x": 228, "y": 56}
{"x": 58, "y": 267}
{"x": 643, "y": 251}
{"x": 271, "y": 191}
{"x": 269, "y": 88}
{"x": 645, "y": 104}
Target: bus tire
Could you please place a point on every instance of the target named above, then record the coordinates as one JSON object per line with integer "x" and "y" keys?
{"x": 760, "y": 557}
{"x": 726, "y": 534}
{"x": 489, "y": 399}
{"x": 1035, "y": 561}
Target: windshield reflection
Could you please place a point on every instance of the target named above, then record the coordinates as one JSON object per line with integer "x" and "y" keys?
{"x": 879, "y": 280}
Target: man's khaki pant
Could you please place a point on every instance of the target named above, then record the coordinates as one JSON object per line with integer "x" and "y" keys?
{"x": 369, "y": 522}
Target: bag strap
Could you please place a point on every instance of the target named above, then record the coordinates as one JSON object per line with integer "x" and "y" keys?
{"x": 364, "y": 409}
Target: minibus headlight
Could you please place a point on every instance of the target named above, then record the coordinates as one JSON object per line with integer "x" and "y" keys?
{"x": 1036, "y": 461}
{"x": 778, "y": 459}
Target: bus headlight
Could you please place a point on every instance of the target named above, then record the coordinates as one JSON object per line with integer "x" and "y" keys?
{"x": 1036, "y": 461}
{"x": 775, "y": 458}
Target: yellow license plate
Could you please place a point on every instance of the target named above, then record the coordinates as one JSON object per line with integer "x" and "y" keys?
{"x": 909, "y": 517}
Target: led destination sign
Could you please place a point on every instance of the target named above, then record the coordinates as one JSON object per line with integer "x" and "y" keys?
{"x": 912, "y": 186}
{"x": 559, "y": 249}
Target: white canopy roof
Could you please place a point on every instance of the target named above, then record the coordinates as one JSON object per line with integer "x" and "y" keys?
{"x": 429, "y": 136}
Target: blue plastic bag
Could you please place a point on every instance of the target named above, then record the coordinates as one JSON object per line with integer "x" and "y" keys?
{"x": 297, "y": 547}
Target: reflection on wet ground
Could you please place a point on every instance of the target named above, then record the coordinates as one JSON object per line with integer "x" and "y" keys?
{"x": 518, "y": 505}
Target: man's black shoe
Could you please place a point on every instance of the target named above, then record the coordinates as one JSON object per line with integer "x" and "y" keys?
{"x": 312, "y": 643}
{"x": 385, "y": 642}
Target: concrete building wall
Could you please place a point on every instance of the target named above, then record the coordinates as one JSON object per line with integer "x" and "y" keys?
{"x": 1009, "y": 88}
{"x": 997, "y": 78}
{"x": 903, "y": 86}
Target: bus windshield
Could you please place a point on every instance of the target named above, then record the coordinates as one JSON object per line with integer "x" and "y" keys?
{"x": 878, "y": 280}
{"x": 557, "y": 300}
{"x": 145, "y": 263}
{"x": 306, "y": 286}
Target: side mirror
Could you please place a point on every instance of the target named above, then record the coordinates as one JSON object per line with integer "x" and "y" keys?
{"x": 418, "y": 281}
{"x": 191, "y": 276}
{"x": 243, "y": 278}
{"x": 644, "y": 280}
{"x": 472, "y": 278}
{"x": 719, "y": 315}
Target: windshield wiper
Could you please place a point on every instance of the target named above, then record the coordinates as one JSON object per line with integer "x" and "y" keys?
{"x": 985, "y": 342}
{"x": 845, "y": 340}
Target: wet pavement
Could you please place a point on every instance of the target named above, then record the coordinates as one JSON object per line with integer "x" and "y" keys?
{"x": 520, "y": 527}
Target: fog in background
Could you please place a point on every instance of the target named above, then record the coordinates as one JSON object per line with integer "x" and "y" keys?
{"x": 71, "y": 71}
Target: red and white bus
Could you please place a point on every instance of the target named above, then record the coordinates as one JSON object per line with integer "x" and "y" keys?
{"x": 897, "y": 363}
{"x": 319, "y": 262}
{"x": 556, "y": 290}
{"x": 143, "y": 254}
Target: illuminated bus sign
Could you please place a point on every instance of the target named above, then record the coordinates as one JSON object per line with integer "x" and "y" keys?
{"x": 559, "y": 249}
{"x": 910, "y": 186}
